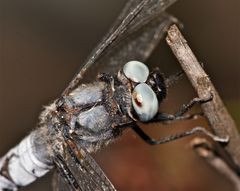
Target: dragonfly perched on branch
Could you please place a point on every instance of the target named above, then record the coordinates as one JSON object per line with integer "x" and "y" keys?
{"x": 90, "y": 114}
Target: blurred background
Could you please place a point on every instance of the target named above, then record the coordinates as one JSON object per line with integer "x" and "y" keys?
{"x": 42, "y": 44}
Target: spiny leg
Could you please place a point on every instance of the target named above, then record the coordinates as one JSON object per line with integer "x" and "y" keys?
{"x": 170, "y": 138}
{"x": 179, "y": 115}
{"x": 185, "y": 107}
{"x": 171, "y": 80}
{"x": 164, "y": 117}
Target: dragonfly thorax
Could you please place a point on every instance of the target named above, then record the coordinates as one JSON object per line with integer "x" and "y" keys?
{"x": 94, "y": 113}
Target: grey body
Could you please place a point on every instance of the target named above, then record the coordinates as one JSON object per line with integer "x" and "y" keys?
{"x": 93, "y": 114}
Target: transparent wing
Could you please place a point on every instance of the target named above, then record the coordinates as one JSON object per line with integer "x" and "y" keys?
{"x": 136, "y": 46}
{"x": 138, "y": 18}
{"x": 77, "y": 170}
{"x": 59, "y": 184}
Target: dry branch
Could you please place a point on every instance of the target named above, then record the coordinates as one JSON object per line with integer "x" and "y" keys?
{"x": 213, "y": 155}
{"x": 215, "y": 111}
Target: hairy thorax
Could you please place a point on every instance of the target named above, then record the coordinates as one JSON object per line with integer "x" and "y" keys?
{"x": 92, "y": 114}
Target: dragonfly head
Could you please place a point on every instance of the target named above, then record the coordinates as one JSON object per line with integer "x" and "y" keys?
{"x": 157, "y": 82}
{"x": 148, "y": 90}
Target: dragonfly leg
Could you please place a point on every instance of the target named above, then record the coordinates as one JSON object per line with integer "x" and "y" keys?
{"x": 179, "y": 115}
{"x": 171, "y": 80}
{"x": 195, "y": 130}
{"x": 185, "y": 107}
{"x": 164, "y": 117}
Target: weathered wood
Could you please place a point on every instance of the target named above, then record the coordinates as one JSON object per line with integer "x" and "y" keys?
{"x": 215, "y": 111}
{"x": 215, "y": 156}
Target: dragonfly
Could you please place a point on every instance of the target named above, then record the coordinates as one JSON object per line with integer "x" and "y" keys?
{"x": 89, "y": 115}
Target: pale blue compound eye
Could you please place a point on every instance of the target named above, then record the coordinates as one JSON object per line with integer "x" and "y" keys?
{"x": 136, "y": 71}
{"x": 144, "y": 102}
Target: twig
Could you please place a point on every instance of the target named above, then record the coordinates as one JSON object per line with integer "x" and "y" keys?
{"x": 215, "y": 111}
{"x": 212, "y": 154}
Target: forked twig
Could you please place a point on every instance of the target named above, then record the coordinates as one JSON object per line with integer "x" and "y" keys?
{"x": 215, "y": 111}
{"x": 217, "y": 158}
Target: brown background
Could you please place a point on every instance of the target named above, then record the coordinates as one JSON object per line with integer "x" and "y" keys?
{"x": 42, "y": 43}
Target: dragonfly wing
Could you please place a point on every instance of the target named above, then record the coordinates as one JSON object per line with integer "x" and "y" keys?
{"x": 136, "y": 46}
{"x": 59, "y": 184}
{"x": 77, "y": 170}
{"x": 135, "y": 16}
